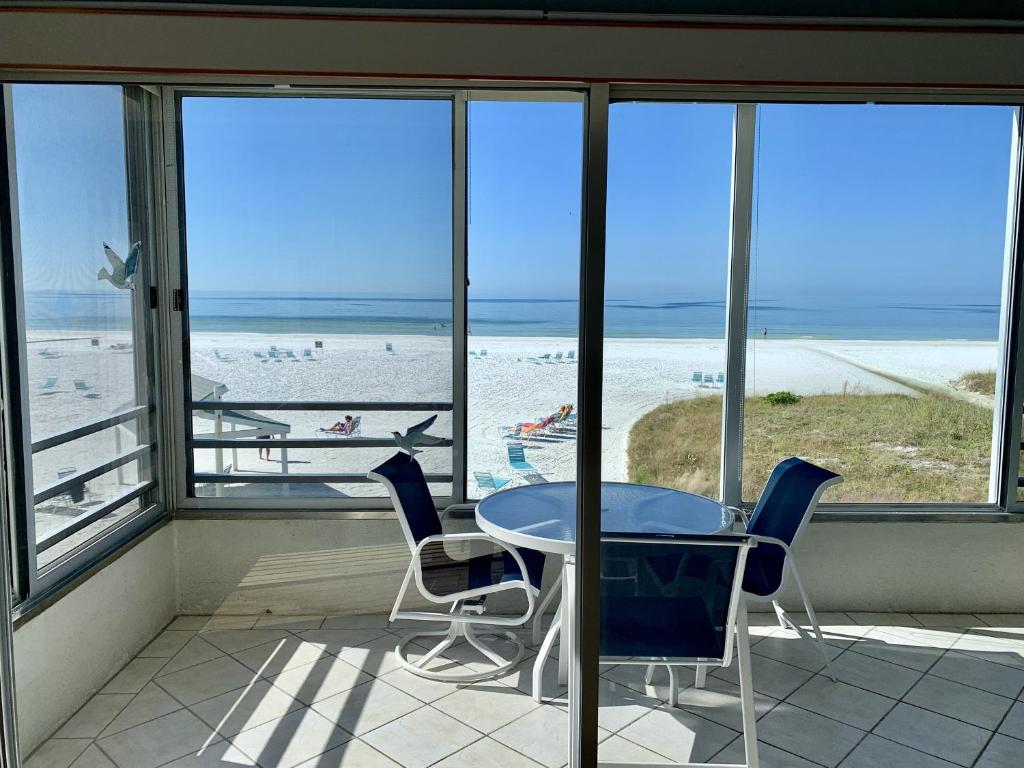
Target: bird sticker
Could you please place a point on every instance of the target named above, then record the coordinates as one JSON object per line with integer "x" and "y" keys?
{"x": 415, "y": 435}
{"x": 123, "y": 276}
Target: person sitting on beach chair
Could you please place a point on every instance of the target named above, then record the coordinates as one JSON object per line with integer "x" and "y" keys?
{"x": 341, "y": 427}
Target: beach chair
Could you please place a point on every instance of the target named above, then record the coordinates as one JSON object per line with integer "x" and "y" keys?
{"x": 513, "y": 433}
{"x": 571, "y": 355}
{"x": 291, "y": 356}
{"x": 545, "y": 357}
{"x": 677, "y": 598}
{"x": 307, "y": 353}
{"x": 388, "y": 347}
{"x": 558, "y": 357}
{"x": 49, "y": 386}
{"x": 259, "y": 356}
{"x": 517, "y": 459}
{"x": 49, "y": 355}
{"x": 459, "y": 585}
{"x": 472, "y": 353}
{"x": 697, "y": 378}
{"x": 485, "y": 481}
{"x": 272, "y": 352}
{"x": 76, "y": 493}
{"x": 83, "y": 389}
{"x": 709, "y": 380}
{"x": 720, "y": 379}
{"x": 222, "y": 358}
{"x": 483, "y": 353}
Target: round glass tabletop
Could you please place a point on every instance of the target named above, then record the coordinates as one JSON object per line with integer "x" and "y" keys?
{"x": 543, "y": 516}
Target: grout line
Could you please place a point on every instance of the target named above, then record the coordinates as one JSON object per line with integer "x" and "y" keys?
{"x": 993, "y": 733}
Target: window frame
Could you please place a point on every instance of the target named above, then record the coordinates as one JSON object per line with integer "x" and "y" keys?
{"x": 32, "y": 585}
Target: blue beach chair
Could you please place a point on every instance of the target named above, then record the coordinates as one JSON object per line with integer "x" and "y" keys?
{"x": 485, "y": 481}
{"x": 49, "y": 386}
{"x": 517, "y": 459}
{"x": 697, "y": 378}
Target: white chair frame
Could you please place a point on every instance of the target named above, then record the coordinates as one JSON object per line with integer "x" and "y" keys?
{"x": 466, "y": 611}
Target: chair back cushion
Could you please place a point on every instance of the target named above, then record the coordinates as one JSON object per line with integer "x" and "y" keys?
{"x": 403, "y": 477}
{"x": 667, "y": 599}
{"x": 787, "y": 502}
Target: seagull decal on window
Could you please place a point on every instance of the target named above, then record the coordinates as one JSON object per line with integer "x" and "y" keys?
{"x": 416, "y": 435}
{"x": 123, "y": 276}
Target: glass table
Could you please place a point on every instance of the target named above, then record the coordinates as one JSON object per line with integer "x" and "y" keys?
{"x": 543, "y": 517}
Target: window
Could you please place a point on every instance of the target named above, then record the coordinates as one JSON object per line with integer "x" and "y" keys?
{"x": 78, "y": 318}
{"x": 667, "y": 262}
{"x": 525, "y": 185}
{"x": 319, "y": 290}
{"x": 876, "y": 293}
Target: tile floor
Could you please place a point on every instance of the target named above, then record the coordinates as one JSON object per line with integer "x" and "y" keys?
{"x": 915, "y": 691}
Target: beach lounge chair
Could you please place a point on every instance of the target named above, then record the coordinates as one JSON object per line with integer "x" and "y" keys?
{"x": 677, "y": 597}
{"x": 709, "y": 380}
{"x": 545, "y": 357}
{"x": 513, "y": 433}
{"x": 720, "y": 379}
{"x": 517, "y": 459}
{"x": 571, "y": 355}
{"x": 222, "y": 358}
{"x": 558, "y": 357}
{"x": 272, "y": 352}
{"x": 461, "y": 584}
{"x": 356, "y": 429}
{"x": 49, "y": 355}
{"x": 259, "y": 356}
{"x": 697, "y": 378}
{"x": 483, "y": 353}
{"x": 49, "y": 386}
{"x": 485, "y": 481}
{"x": 83, "y": 389}
{"x": 388, "y": 347}
{"x": 307, "y": 353}
{"x": 472, "y": 353}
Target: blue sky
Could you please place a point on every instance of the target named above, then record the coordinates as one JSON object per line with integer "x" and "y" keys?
{"x": 353, "y": 196}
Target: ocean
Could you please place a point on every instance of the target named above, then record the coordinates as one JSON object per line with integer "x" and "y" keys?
{"x": 845, "y": 317}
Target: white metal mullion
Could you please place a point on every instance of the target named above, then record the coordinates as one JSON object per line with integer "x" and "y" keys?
{"x": 741, "y": 221}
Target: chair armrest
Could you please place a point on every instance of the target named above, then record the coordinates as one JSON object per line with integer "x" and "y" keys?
{"x": 741, "y": 515}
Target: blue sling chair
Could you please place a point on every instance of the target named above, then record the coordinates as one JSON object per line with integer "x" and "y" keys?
{"x": 677, "y": 599}
{"x": 783, "y": 511}
{"x": 461, "y": 584}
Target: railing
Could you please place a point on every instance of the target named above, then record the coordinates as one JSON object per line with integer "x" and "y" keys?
{"x": 208, "y": 443}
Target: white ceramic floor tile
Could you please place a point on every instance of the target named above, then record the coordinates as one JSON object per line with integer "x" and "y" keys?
{"x": 772, "y": 678}
{"x": 486, "y": 706}
{"x": 235, "y": 640}
{"x": 969, "y": 670}
{"x": 876, "y": 752}
{"x": 206, "y": 680}
{"x": 316, "y": 681}
{"x": 245, "y": 708}
{"x": 289, "y": 622}
{"x": 357, "y": 621}
{"x": 792, "y": 649}
{"x": 845, "y": 703}
{"x": 947, "y": 619}
{"x": 280, "y": 655}
{"x": 808, "y": 735}
{"x": 421, "y": 738}
{"x": 719, "y": 701}
{"x": 883, "y": 619}
{"x": 367, "y": 706}
{"x": 935, "y": 734}
{"x": 679, "y": 735}
{"x": 91, "y": 719}
{"x": 1002, "y": 752}
{"x": 1002, "y": 619}
{"x": 93, "y": 757}
{"x": 167, "y": 643}
{"x": 873, "y": 674}
{"x": 351, "y": 754}
{"x": 996, "y": 644}
{"x": 158, "y": 741}
{"x": 230, "y": 622}
{"x": 619, "y": 705}
{"x": 972, "y": 705}
{"x": 336, "y": 641}
{"x": 769, "y": 756}
{"x": 542, "y": 735}
{"x": 1013, "y": 725}
{"x": 134, "y": 676}
{"x": 375, "y": 657}
{"x": 190, "y": 623}
{"x": 290, "y": 740}
{"x": 150, "y": 703}
{"x": 195, "y": 651}
{"x": 619, "y": 750}
{"x": 487, "y": 753}
{"x": 880, "y": 643}
{"x": 423, "y": 689}
{"x": 57, "y": 753}
{"x": 219, "y": 755}
{"x": 634, "y": 676}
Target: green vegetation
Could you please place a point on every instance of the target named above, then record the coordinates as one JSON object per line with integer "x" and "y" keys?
{"x": 890, "y": 448}
{"x": 982, "y": 382}
{"x": 785, "y": 397}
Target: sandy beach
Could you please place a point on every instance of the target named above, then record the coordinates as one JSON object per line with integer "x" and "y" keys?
{"x": 511, "y": 384}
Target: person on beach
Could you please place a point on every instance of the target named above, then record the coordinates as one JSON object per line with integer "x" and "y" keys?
{"x": 262, "y": 449}
{"x": 342, "y": 427}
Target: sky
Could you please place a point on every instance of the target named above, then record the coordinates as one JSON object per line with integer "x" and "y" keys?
{"x": 353, "y": 196}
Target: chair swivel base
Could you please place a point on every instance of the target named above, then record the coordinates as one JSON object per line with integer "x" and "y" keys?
{"x": 459, "y": 631}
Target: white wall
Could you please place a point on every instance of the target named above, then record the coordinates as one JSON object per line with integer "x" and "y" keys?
{"x": 356, "y": 566}
{"x": 68, "y": 652}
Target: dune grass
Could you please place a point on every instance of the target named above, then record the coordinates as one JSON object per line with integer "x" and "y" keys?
{"x": 982, "y": 382}
{"x": 890, "y": 448}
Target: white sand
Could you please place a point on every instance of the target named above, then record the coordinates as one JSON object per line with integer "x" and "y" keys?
{"x": 506, "y": 387}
